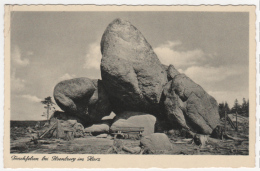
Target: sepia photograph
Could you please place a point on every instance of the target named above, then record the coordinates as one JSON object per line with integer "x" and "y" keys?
{"x": 150, "y": 82}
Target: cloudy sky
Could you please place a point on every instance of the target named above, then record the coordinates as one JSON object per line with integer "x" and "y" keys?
{"x": 47, "y": 47}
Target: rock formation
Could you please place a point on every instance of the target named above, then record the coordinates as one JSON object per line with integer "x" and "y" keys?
{"x": 84, "y": 98}
{"x": 133, "y": 79}
{"x": 131, "y": 72}
{"x": 187, "y": 104}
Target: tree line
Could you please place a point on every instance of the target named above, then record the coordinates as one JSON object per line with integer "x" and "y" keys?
{"x": 242, "y": 109}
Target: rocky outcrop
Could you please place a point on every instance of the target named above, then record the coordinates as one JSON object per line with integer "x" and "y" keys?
{"x": 84, "y": 98}
{"x": 131, "y": 72}
{"x": 188, "y": 105}
{"x": 135, "y": 119}
{"x": 78, "y": 130}
{"x": 156, "y": 143}
{"x": 64, "y": 125}
{"x": 133, "y": 79}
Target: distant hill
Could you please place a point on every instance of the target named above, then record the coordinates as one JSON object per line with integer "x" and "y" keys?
{"x": 26, "y": 123}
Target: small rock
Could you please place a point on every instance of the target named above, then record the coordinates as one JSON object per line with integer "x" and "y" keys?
{"x": 102, "y": 136}
{"x": 97, "y": 128}
{"x": 136, "y": 149}
{"x": 156, "y": 143}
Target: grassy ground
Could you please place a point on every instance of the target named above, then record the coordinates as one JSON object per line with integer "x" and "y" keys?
{"x": 20, "y": 143}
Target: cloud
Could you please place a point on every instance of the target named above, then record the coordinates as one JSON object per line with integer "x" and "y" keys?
{"x": 224, "y": 83}
{"x": 93, "y": 56}
{"x": 17, "y": 59}
{"x": 168, "y": 54}
{"x": 66, "y": 77}
{"x": 211, "y": 74}
{"x": 31, "y": 98}
{"x": 211, "y": 77}
{"x": 17, "y": 84}
{"x": 29, "y": 53}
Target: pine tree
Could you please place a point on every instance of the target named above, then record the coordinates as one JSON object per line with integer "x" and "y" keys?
{"x": 227, "y": 109}
{"x": 244, "y": 105}
{"x": 236, "y": 107}
{"x": 48, "y": 106}
{"x": 221, "y": 109}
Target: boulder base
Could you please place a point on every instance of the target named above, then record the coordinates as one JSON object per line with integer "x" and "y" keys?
{"x": 156, "y": 143}
{"x": 135, "y": 119}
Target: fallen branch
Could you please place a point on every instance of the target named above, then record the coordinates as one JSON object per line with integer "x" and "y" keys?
{"x": 179, "y": 142}
{"x": 233, "y": 138}
{"x": 109, "y": 150}
{"x": 128, "y": 149}
{"x": 115, "y": 149}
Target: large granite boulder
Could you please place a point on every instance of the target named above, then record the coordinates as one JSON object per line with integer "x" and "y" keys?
{"x": 156, "y": 143}
{"x": 84, "y": 98}
{"x": 189, "y": 106}
{"x": 173, "y": 107}
{"x": 131, "y": 72}
{"x": 134, "y": 119}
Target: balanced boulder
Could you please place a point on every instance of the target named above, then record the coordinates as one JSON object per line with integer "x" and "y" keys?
{"x": 131, "y": 72}
{"x": 134, "y": 119}
{"x": 84, "y": 98}
{"x": 188, "y": 105}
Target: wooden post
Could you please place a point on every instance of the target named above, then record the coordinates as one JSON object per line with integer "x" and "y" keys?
{"x": 225, "y": 122}
{"x": 236, "y": 122}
